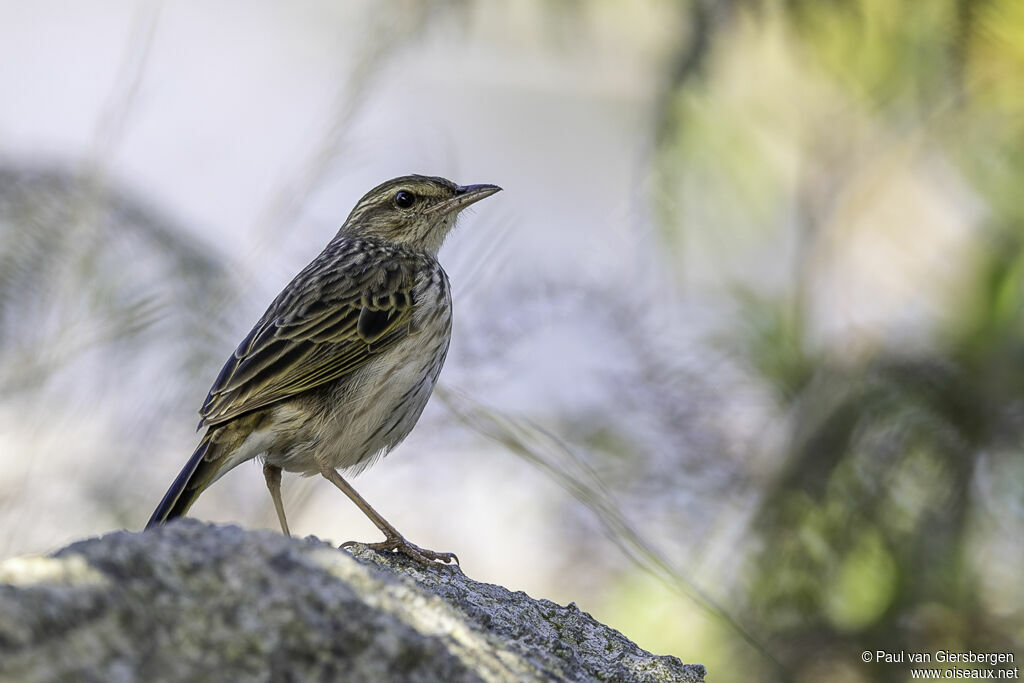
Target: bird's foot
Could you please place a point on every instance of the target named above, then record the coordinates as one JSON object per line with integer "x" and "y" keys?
{"x": 398, "y": 544}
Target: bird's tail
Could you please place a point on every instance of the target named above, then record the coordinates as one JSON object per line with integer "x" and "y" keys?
{"x": 198, "y": 473}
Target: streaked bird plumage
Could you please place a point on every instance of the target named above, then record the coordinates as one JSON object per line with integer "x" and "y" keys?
{"x": 339, "y": 368}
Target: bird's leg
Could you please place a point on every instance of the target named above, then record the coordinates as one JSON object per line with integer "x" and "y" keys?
{"x": 272, "y": 473}
{"x": 393, "y": 541}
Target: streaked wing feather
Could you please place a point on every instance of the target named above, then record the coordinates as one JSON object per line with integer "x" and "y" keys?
{"x": 338, "y": 324}
{"x": 310, "y": 335}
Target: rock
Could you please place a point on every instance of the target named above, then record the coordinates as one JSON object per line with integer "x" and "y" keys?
{"x": 195, "y": 602}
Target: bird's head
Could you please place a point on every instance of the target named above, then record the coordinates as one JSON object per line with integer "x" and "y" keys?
{"x": 413, "y": 211}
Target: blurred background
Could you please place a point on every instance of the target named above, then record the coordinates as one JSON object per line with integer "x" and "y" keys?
{"x": 737, "y": 361}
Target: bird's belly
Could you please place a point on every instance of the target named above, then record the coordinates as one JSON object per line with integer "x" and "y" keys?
{"x": 364, "y": 415}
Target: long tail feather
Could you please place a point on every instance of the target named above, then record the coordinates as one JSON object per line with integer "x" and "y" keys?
{"x": 193, "y": 479}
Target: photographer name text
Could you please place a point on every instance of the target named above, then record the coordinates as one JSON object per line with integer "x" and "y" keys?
{"x": 938, "y": 657}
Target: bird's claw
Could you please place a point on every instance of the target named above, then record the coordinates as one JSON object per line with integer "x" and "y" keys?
{"x": 397, "y": 544}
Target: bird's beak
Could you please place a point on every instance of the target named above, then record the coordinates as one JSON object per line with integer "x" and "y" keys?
{"x": 466, "y": 195}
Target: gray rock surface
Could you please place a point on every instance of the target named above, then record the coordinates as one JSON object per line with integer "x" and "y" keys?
{"x": 195, "y": 602}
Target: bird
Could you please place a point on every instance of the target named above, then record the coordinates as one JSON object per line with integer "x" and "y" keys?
{"x": 338, "y": 369}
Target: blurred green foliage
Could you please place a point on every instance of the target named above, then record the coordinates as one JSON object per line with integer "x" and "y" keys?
{"x": 894, "y": 507}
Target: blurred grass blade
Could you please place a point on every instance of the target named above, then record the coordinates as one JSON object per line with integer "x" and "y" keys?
{"x": 545, "y": 451}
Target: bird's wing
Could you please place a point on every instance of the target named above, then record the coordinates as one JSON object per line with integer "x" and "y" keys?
{"x": 337, "y": 314}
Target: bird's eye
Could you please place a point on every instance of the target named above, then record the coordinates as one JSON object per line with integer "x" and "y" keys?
{"x": 404, "y": 200}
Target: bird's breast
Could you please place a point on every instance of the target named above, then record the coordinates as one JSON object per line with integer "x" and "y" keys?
{"x": 376, "y": 407}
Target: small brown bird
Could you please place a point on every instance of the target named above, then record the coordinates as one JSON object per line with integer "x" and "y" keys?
{"x": 337, "y": 371}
